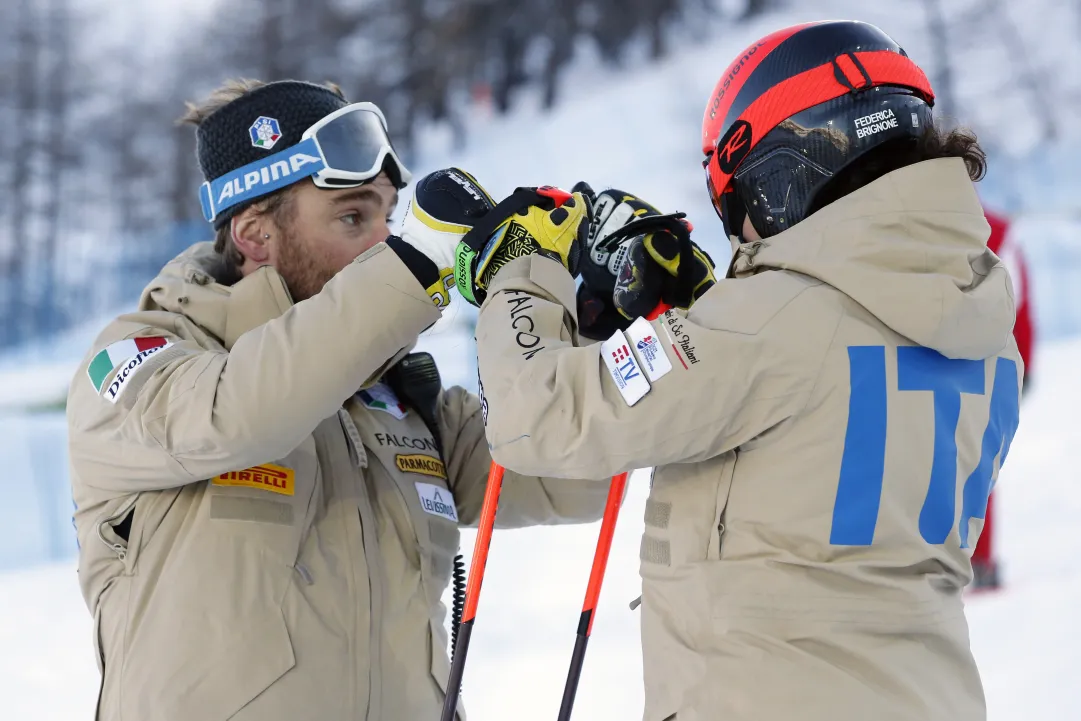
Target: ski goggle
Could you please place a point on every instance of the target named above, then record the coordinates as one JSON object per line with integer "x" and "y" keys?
{"x": 728, "y": 208}
{"x": 345, "y": 149}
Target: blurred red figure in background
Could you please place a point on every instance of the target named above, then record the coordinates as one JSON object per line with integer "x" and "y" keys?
{"x": 984, "y": 563}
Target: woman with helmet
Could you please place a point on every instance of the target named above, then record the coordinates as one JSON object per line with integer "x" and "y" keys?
{"x": 826, "y": 422}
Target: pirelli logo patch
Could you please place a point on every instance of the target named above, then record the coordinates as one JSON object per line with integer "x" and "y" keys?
{"x": 420, "y": 463}
{"x": 266, "y": 477}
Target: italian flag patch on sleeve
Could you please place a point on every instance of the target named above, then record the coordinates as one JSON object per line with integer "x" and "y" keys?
{"x": 130, "y": 352}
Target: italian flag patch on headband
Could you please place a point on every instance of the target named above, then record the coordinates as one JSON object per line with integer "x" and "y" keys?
{"x": 126, "y": 350}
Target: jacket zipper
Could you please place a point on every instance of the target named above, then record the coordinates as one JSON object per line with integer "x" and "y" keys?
{"x": 724, "y": 490}
{"x": 119, "y": 549}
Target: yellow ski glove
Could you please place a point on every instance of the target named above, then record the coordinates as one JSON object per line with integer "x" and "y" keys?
{"x": 543, "y": 221}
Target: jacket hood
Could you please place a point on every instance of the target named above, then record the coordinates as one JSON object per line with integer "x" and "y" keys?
{"x": 911, "y": 248}
{"x": 195, "y": 285}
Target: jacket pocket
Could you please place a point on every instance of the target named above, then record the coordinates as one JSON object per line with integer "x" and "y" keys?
{"x": 432, "y": 513}
{"x": 216, "y": 680}
{"x": 444, "y": 540}
{"x": 682, "y": 516}
{"x": 724, "y": 488}
{"x": 114, "y": 530}
{"x": 271, "y": 504}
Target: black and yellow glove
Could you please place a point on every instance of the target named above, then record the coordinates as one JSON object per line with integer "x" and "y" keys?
{"x": 662, "y": 269}
{"x": 602, "y": 260}
{"x": 544, "y": 221}
{"x": 632, "y": 264}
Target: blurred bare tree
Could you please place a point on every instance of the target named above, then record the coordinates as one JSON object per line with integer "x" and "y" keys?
{"x": 942, "y": 77}
{"x": 25, "y": 143}
{"x": 1029, "y": 76}
{"x": 963, "y": 35}
{"x": 100, "y": 184}
{"x": 56, "y": 101}
{"x": 752, "y": 8}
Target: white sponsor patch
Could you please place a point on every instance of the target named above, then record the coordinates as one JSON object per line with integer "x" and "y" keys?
{"x": 128, "y": 371}
{"x": 647, "y": 347}
{"x": 437, "y": 501}
{"x": 623, "y": 367}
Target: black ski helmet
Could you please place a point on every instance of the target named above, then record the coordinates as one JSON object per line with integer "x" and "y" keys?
{"x": 797, "y": 107}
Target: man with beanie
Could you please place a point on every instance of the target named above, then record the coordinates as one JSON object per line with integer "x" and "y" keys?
{"x": 268, "y": 488}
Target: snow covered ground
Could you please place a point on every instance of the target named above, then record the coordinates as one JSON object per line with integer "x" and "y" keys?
{"x": 1027, "y": 637}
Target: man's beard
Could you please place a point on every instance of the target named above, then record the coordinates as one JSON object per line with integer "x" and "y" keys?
{"x": 305, "y": 272}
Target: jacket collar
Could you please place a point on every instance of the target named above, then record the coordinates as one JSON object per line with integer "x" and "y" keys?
{"x": 195, "y": 285}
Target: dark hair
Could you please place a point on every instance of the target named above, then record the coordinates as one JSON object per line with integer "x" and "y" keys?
{"x": 933, "y": 144}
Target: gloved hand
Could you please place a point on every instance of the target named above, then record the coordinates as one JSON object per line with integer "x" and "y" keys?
{"x": 686, "y": 271}
{"x": 544, "y": 221}
{"x": 612, "y": 209}
{"x": 632, "y": 268}
{"x": 445, "y": 205}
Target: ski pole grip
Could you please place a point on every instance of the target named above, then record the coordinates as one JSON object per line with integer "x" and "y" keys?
{"x": 657, "y": 312}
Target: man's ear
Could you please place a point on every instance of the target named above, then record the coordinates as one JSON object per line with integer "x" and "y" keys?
{"x": 251, "y": 233}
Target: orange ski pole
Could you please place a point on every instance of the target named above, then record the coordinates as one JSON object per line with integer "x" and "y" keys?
{"x": 593, "y": 592}
{"x": 596, "y": 576}
{"x": 472, "y": 591}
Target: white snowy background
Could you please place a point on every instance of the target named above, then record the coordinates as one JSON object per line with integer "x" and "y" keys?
{"x": 637, "y": 130}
